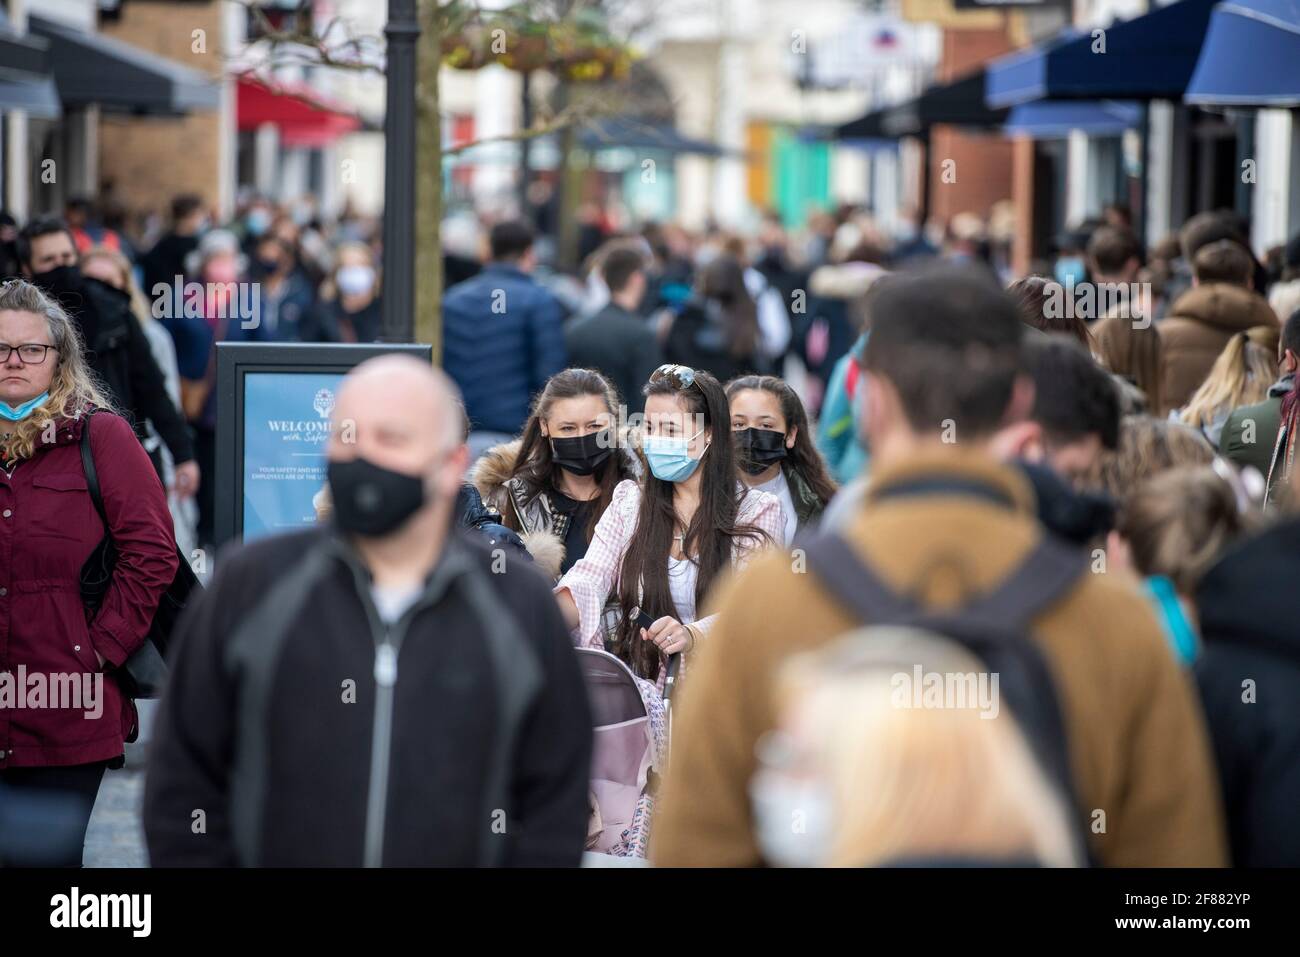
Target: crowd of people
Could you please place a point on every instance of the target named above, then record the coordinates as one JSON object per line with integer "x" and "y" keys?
{"x": 843, "y": 548}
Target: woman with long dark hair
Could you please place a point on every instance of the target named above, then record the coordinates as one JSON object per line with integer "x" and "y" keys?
{"x": 774, "y": 450}
{"x": 659, "y": 548}
{"x": 553, "y": 483}
{"x": 716, "y": 330}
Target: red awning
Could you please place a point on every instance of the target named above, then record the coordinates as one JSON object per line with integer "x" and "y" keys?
{"x": 304, "y": 117}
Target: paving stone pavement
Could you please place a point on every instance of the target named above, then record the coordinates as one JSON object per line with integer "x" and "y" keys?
{"x": 115, "y": 837}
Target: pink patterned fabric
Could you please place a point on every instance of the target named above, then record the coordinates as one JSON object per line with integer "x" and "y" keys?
{"x": 594, "y": 578}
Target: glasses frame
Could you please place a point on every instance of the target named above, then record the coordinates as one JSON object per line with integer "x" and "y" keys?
{"x": 7, "y": 350}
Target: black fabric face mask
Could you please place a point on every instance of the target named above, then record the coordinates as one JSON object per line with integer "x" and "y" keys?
{"x": 371, "y": 501}
{"x": 59, "y": 281}
{"x": 584, "y": 454}
{"x": 759, "y": 449}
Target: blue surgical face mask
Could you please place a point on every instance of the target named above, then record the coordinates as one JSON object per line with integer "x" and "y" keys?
{"x": 670, "y": 456}
{"x": 1070, "y": 270}
{"x": 20, "y": 412}
{"x": 257, "y": 221}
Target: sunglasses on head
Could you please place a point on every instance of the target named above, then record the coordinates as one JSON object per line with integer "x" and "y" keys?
{"x": 680, "y": 377}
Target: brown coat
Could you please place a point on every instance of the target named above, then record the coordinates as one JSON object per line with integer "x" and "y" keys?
{"x": 1199, "y": 325}
{"x": 1138, "y": 742}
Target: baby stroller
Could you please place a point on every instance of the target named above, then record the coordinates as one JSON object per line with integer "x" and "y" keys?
{"x": 632, "y": 728}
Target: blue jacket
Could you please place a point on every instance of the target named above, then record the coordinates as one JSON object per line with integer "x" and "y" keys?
{"x": 502, "y": 338}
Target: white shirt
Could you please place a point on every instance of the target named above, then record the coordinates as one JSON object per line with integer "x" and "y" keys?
{"x": 781, "y": 489}
{"x": 683, "y": 574}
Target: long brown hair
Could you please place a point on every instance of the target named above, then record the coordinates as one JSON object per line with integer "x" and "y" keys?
{"x": 710, "y": 538}
{"x": 535, "y": 466}
{"x": 722, "y": 281}
{"x": 803, "y": 457}
{"x": 1132, "y": 351}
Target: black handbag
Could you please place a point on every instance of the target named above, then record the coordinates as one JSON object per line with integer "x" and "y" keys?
{"x": 143, "y": 674}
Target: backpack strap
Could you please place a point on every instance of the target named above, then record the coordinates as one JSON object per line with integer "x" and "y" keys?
{"x": 1046, "y": 573}
{"x": 855, "y": 583}
{"x": 1049, "y": 571}
{"x": 88, "y": 466}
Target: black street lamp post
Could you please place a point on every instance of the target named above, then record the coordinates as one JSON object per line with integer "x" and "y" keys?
{"x": 401, "y": 31}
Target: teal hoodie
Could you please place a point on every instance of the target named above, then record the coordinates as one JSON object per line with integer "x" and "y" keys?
{"x": 838, "y": 426}
{"x": 1178, "y": 630}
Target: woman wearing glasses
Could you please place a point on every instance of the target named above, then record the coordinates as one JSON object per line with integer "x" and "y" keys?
{"x": 63, "y": 723}
{"x": 659, "y": 547}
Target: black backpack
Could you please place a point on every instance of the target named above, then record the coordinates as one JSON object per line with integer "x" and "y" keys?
{"x": 994, "y": 626}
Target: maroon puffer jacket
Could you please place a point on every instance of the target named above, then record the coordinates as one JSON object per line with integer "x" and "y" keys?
{"x": 48, "y": 527}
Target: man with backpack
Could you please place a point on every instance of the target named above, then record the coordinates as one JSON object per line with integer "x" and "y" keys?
{"x": 947, "y": 540}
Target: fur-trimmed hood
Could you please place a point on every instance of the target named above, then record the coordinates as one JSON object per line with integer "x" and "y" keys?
{"x": 490, "y": 472}
{"x": 494, "y": 469}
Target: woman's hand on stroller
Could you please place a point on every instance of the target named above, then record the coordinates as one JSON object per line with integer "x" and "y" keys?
{"x": 669, "y": 634}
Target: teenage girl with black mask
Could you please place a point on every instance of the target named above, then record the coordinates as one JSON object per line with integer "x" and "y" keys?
{"x": 774, "y": 449}
{"x": 553, "y": 483}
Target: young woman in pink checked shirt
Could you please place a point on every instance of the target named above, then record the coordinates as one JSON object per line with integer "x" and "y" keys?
{"x": 660, "y": 546}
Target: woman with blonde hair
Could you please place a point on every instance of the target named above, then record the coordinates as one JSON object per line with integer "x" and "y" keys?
{"x": 877, "y": 776}
{"x": 50, "y": 525}
{"x": 1241, "y": 375}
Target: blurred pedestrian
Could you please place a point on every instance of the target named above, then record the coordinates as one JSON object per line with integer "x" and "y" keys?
{"x": 1221, "y": 303}
{"x": 1171, "y": 529}
{"x": 615, "y": 340}
{"x": 1249, "y": 436}
{"x": 502, "y": 337}
{"x": 460, "y": 733}
{"x": 219, "y": 306}
{"x": 117, "y": 349}
{"x": 51, "y": 527}
{"x": 834, "y": 315}
{"x": 1125, "y": 336}
{"x": 717, "y": 329}
{"x": 877, "y": 784}
{"x": 286, "y": 297}
{"x": 87, "y": 230}
{"x": 1249, "y": 677}
{"x": 1033, "y": 294}
{"x": 113, "y": 269}
{"x": 1147, "y": 447}
{"x": 1284, "y": 295}
{"x": 164, "y": 264}
{"x": 350, "y": 308}
{"x": 1241, "y": 375}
